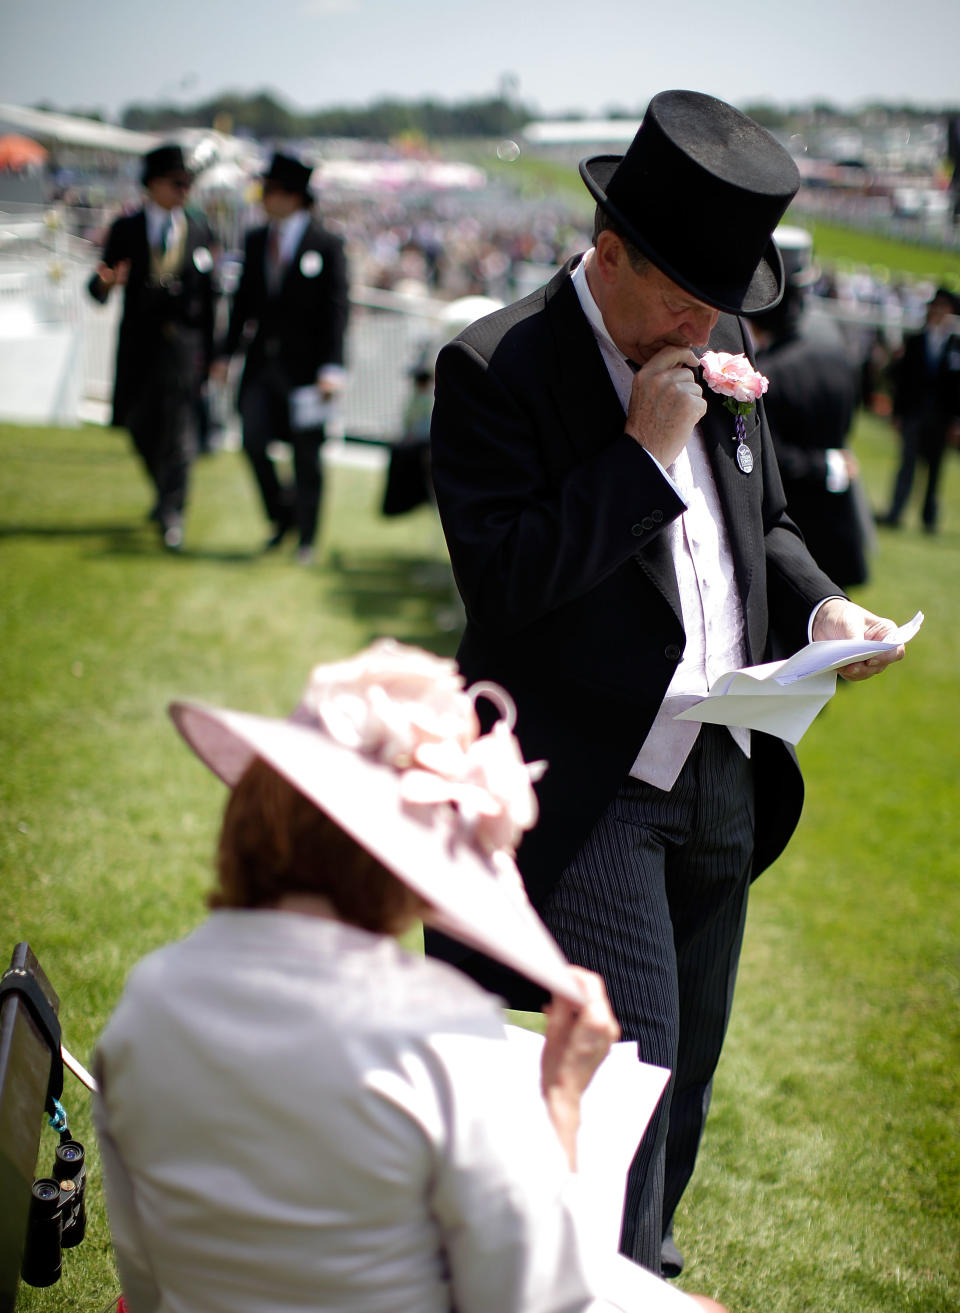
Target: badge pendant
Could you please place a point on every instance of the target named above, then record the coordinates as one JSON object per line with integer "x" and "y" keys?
{"x": 744, "y": 454}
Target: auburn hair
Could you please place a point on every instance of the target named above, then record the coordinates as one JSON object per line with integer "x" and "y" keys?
{"x": 274, "y": 841}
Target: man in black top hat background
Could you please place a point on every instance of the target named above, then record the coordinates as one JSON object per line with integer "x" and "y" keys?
{"x": 617, "y": 545}
{"x": 926, "y": 405}
{"x": 810, "y": 405}
{"x": 293, "y": 294}
{"x": 162, "y": 257}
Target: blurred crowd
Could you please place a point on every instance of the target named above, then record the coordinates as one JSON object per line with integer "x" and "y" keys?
{"x": 443, "y": 245}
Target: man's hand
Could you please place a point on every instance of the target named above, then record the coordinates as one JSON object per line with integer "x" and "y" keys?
{"x": 666, "y": 403}
{"x": 114, "y": 276}
{"x": 851, "y": 463}
{"x": 838, "y": 618}
{"x": 218, "y": 370}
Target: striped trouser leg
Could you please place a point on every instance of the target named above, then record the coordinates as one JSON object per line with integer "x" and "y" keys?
{"x": 655, "y": 902}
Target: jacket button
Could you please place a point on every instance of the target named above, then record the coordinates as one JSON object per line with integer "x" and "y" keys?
{"x": 657, "y": 517}
{"x": 647, "y": 522}
{"x": 672, "y": 652}
{"x": 638, "y": 531}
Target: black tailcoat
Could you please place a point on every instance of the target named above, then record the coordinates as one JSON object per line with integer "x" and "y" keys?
{"x": 169, "y": 323}
{"x": 919, "y": 388}
{"x": 302, "y": 326}
{"x": 555, "y": 523}
{"x": 810, "y": 406}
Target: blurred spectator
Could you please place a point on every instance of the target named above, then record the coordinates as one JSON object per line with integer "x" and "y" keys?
{"x": 408, "y": 471}
{"x": 293, "y": 293}
{"x": 162, "y": 256}
{"x": 926, "y": 405}
{"x": 810, "y": 405}
{"x": 953, "y": 154}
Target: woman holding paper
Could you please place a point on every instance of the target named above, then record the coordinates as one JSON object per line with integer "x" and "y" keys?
{"x": 295, "y": 1113}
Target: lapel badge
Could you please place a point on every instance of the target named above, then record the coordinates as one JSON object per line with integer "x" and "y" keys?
{"x": 741, "y": 387}
{"x": 311, "y": 262}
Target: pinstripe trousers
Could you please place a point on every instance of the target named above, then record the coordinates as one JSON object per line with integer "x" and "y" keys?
{"x": 655, "y": 901}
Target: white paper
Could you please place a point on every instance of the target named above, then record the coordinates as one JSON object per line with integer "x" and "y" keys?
{"x": 78, "y": 1069}
{"x": 308, "y": 410}
{"x": 784, "y": 697}
{"x": 614, "y": 1112}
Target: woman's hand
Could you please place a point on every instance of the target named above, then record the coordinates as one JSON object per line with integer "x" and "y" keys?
{"x": 577, "y": 1039}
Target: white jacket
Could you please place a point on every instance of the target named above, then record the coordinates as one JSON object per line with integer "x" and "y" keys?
{"x": 296, "y": 1116}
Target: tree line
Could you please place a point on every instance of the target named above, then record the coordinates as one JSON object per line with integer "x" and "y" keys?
{"x": 264, "y": 117}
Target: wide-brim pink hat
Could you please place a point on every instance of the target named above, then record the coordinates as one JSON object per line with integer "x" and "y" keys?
{"x": 387, "y": 744}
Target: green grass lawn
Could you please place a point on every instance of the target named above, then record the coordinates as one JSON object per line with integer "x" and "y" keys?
{"x": 829, "y": 1178}
{"x": 844, "y": 247}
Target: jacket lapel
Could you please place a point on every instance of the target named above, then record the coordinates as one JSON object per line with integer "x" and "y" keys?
{"x": 738, "y": 491}
{"x": 587, "y": 399}
{"x": 306, "y": 239}
{"x": 592, "y": 410}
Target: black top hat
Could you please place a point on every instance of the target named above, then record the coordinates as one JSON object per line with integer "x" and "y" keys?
{"x": 289, "y": 174}
{"x": 944, "y": 293}
{"x": 163, "y": 162}
{"x": 699, "y": 192}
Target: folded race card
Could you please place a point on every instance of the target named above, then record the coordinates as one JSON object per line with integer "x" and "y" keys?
{"x": 616, "y": 1107}
{"x": 784, "y": 697}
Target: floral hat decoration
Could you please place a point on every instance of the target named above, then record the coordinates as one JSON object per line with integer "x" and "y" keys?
{"x": 388, "y": 744}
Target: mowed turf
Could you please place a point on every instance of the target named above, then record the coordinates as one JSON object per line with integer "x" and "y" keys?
{"x": 829, "y": 1177}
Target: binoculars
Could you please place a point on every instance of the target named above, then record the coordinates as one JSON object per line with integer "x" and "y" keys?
{"x": 57, "y": 1219}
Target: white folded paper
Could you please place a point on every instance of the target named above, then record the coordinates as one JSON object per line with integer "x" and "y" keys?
{"x": 784, "y": 697}
{"x": 614, "y": 1112}
{"x": 308, "y": 410}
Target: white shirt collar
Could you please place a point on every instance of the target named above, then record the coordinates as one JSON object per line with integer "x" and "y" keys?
{"x": 621, "y": 373}
{"x": 290, "y": 231}
{"x": 157, "y": 218}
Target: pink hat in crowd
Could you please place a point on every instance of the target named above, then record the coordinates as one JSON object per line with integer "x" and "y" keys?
{"x": 387, "y": 743}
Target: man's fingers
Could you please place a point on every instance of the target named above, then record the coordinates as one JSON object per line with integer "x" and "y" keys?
{"x": 668, "y": 357}
{"x": 875, "y": 665}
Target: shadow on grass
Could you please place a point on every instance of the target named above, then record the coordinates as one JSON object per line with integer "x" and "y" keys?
{"x": 57, "y": 457}
{"x": 410, "y": 597}
{"x": 129, "y": 540}
{"x": 68, "y": 530}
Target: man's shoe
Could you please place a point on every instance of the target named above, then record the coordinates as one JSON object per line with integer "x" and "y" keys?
{"x": 671, "y": 1260}
{"x": 277, "y": 537}
{"x": 305, "y": 555}
{"x": 173, "y": 536}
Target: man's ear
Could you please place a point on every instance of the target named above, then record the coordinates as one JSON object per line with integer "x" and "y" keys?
{"x": 609, "y": 252}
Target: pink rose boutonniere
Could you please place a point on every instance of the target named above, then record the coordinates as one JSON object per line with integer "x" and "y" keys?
{"x": 741, "y": 386}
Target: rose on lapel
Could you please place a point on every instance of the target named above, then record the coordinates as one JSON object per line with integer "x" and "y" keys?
{"x": 734, "y": 379}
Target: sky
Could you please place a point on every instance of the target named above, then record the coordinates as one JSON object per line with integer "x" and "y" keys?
{"x": 554, "y": 55}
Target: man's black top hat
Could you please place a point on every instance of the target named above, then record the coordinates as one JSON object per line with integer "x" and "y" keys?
{"x": 699, "y": 192}
{"x": 289, "y": 174}
{"x": 163, "y": 162}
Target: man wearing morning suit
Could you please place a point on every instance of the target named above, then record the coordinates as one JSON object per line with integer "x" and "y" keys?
{"x": 293, "y": 293}
{"x": 617, "y": 547}
{"x": 926, "y": 405}
{"x": 162, "y": 255}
